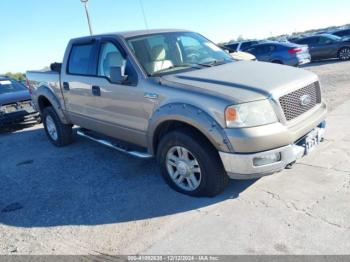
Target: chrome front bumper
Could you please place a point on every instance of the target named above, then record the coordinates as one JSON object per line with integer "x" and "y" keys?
{"x": 241, "y": 166}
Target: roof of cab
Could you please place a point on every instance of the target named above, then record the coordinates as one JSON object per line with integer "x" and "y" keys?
{"x": 136, "y": 33}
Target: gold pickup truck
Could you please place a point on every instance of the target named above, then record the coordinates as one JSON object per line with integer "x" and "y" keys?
{"x": 176, "y": 96}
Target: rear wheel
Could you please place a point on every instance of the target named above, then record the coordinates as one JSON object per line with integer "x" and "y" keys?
{"x": 58, "y": 133}
{"x": 344, "y": 53}
{"x": 190, "y": 164}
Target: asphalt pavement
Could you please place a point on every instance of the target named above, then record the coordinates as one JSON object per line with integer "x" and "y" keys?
{"x": 88, "y": 199}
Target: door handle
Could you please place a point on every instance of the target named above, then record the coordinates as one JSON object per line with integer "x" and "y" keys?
{"x": 150, "y": 96}
{"x": 66, "y": 86}
{"x": 96, "y": 91}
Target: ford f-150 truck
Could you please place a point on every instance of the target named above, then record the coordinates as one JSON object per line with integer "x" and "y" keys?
{"x": 175, "y": 95}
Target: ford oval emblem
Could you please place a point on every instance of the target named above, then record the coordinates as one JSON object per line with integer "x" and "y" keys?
{"x": 305, "y": 100}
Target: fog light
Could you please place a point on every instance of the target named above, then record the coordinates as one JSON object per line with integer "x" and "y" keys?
{"x": 267, "y": 159}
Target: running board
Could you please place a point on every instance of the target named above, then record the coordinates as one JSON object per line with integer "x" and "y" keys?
{"x": 111, "y": 145}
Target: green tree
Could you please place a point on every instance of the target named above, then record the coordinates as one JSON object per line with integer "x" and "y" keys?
{"x": 16, "y": 76}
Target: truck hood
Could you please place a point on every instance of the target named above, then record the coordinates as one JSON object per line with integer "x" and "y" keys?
{"x": 13, "y": 97}
{"x": 244, "y": 81}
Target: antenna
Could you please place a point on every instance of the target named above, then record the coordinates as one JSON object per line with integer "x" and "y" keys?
{"x": 143, "y": 13}
{"x": 87, "y": 14}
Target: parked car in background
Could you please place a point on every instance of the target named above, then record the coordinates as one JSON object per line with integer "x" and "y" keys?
{"x": 24, "y": 82}
{"x": 326, "y": 46}
{"x": 281, "y": 53}
{"x": 175, "y": 95}
{"x": 342, "y": 33}
{"x": 243, "y": 56}
{"x": 15, "y": 103}
{"x": 240, "y": 46}
{"x": 239, "y": 55}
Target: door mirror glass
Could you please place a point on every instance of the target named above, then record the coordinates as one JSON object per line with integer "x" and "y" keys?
{"x": 117, "y": 74}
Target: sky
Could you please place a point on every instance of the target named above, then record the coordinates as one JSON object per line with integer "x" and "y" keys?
{"x": 34, "y": 33}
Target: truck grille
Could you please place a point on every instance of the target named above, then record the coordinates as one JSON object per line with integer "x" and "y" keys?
{"x": 292, "y": 104}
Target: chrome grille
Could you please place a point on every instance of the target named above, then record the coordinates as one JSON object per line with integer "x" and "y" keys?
{"x": 292, "y": 105}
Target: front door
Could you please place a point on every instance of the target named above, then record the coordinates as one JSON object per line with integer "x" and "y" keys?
{"x": 120, "y": 109}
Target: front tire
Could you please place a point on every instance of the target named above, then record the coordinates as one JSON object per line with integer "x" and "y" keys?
{"x": 58, "y": 133}
{"x": 344, "y": 54}
{"x": 190, "y": 164}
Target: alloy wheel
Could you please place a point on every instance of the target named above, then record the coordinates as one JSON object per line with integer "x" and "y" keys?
{"x": 51, "y": 128}
{"x": 344, "y": 54}
{"x": 183, "y": 168}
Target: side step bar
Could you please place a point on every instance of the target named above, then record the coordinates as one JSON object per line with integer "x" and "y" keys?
{"x": 111, "y": 145}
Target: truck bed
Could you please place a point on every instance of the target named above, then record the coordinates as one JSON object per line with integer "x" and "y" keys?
{"x": 45, "y": 80}
{"x": 43, "y": 77}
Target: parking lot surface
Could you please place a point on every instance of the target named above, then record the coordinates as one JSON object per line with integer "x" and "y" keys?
{"x": 89, "y": 199}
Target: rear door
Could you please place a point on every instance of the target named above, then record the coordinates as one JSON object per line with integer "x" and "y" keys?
{"x": 76, "y": 85}
{"x": 328, "y": 47}
{"x": 262, "y": 52}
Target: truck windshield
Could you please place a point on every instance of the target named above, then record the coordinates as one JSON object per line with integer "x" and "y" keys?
{"x": 9, "y": 86}
{"x": 170, "y": 52}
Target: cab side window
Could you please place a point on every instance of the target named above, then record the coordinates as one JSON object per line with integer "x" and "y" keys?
{"x": 110, "y": 57}
{"x": 80, "y": 59}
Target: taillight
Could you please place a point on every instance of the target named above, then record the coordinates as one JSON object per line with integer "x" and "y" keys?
{"x": 29, "y": 87}
{"x": 294, "y": 50}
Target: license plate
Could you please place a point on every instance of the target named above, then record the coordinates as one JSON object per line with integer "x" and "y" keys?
{"x": 312, "y": 140}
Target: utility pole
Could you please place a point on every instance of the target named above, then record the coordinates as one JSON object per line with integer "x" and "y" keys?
{"x": 87, "y": 14}
{"x": 144, "y": 14}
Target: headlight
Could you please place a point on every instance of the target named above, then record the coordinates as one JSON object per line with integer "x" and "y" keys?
{"x": 250, "y": 114}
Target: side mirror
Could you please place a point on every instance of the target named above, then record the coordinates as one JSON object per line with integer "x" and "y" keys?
{"x": 117, "y": 74}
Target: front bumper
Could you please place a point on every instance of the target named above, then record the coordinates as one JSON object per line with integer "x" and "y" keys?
{"x": 241, "y": 166}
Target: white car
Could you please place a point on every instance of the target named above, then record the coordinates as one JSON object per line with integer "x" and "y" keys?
{"x": 243, "y": 56}
{"x": 240, "y": 46}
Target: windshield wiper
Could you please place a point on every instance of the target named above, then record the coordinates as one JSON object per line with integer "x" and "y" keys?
{"x": 196, "y": 66}
{"x": 214, "y": 63}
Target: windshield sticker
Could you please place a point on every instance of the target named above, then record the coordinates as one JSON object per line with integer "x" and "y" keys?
{"x": 212, "y": 46}
{"x": 5, "y": 82}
